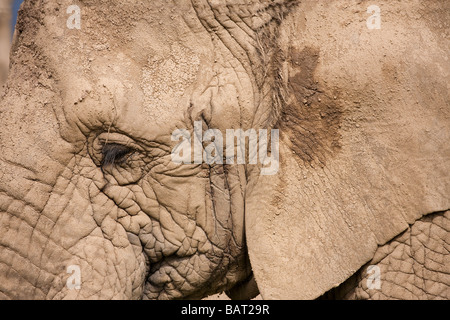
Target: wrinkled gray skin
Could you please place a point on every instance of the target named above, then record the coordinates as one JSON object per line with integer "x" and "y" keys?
{"x": 86, "y": 177}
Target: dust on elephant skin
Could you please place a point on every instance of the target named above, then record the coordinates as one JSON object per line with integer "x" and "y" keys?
{"x": 311, "y": 116}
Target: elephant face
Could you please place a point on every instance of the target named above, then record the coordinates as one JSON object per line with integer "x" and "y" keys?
{"x": 96, "y": 187}
{"x": 87, "y": 177}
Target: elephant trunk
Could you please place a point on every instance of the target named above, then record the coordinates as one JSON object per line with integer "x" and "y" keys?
{"x": 30, "y": 256}
{"x": 54, "y": 242}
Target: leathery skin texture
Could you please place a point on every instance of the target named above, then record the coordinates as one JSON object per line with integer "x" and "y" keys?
{"x": 92, "y": 205}
{"x": 96, "y": 187}
{"x": 415, "y": 265}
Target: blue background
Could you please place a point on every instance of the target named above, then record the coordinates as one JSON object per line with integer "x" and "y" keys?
{"x": 15, "y": 8}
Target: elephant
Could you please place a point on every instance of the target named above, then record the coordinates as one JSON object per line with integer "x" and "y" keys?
{"x": 92, "y": 205}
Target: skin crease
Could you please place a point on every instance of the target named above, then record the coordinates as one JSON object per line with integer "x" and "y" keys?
{"x": 86, "y": 177}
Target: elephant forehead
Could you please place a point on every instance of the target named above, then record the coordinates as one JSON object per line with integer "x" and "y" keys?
{"x": 152, "y": 65}
{"x": 142, "y": 68}
{"x": 165, "y": 80}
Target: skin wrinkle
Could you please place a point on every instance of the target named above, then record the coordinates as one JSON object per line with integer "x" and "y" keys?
{"x": 11, "y": 212}
{"x": 99, "y": 225}
{"x": 163, "y": 229}
{"x": 227, "y": 187}
{"x": 403, "y": 273}
{"x": 26, "y": 258}
{"x": 20, "y": 275}
{"x": 214, "y": 27}
{"x": 247, "y": 43}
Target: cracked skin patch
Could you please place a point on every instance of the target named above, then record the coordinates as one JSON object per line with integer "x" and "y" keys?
{"x": 310, "y": 118}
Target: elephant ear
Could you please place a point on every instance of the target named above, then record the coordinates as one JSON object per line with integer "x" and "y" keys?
{"x": 364, "y": 152}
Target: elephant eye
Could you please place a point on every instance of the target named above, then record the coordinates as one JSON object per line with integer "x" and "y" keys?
{"x": 114, "y": 153}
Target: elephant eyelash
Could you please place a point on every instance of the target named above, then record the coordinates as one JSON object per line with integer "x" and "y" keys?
{"x": 114, "y": 153}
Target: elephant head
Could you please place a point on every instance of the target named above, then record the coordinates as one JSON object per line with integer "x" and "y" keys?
{"x": 98, "y": 91}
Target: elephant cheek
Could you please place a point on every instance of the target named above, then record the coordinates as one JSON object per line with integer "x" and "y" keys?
{"x": 59, "y": 251}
